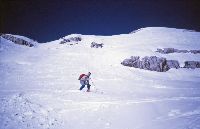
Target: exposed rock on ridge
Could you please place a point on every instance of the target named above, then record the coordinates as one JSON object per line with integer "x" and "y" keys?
{"x": 151, "y": 63}
{"x": 17, "y": 40}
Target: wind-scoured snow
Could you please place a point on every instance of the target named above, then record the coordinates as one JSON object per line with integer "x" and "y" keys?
{"x": 39, "y": 85}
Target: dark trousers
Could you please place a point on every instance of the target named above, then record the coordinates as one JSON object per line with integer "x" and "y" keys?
{"x": 88, "y": 86}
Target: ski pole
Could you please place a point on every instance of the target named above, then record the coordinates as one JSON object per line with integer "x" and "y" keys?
{"x": 96, "y": 89}
{"x": 92, "y": 82}
{"x": 93, "y": 85}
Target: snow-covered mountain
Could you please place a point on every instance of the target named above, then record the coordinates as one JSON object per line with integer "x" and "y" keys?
{"x": 39, "y": 85}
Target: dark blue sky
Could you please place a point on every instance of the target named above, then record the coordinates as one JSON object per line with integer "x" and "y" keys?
{"x": 46, "y": 20}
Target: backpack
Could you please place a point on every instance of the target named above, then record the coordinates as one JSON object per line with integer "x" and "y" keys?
{"x": 81, "y": 76}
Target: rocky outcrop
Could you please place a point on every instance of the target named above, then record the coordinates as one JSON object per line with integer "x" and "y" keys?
{"x": 173, "y": 64}
{"x": 96, "y": 45}
{"x": 17, "y": 40}
{"x": 71, "y": 39}
{"x": 195, "y": 51}
{"x": 173, "y": 50}
{"x": 151, "y": 63}
{"x": 192, "y": 64}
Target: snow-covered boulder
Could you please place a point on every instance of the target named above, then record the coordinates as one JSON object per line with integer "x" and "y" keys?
{"x": 19, "y": 40}
{"x": 133, "y": 62}
{"x": 154, "y": 63}
{"x": 173, "y": 64}
{"x": 173, "y": 50}
{"x": 167, "y": 50}
{"x": 195, "y": 51}
{"x": 96, "y": 45}
{"x": 192, "y": 64}
{"x": 70, "y": 39}
{"x": 151, "y": 63}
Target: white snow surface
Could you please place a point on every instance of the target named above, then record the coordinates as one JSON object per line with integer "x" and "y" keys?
{"x": 39, "y": 86}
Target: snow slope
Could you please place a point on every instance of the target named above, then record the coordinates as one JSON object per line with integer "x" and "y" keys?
{"x": 39, "y": 86}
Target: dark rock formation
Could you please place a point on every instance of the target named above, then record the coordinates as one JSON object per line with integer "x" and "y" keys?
{"x": 173, "y": 50}
{"x": 133, "y": 62}
{"x": 17, "y": 40}
{"x": 151, "y": 63}
{"x": 62, "y": 42}
{"x": 96, "y": 45}
{"x": 67, "y": 40}
{"x": 192, "y": 64}
{"x": 166, "y": 50}
{"x": 76, "y": 39}
{"x": 182, "y": 51}
{"x": 173, "y": 64}
{"x": 71, "y": 39}
{"x": 195, "y": 51}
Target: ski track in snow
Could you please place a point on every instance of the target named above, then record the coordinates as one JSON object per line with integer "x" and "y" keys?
{"x": 39, "y": 86}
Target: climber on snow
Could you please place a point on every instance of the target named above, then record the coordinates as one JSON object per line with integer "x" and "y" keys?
{"x": 84, "y": 80}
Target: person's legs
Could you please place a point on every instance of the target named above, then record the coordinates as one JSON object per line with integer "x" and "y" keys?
{"x": 82, "y": 87}
{"x": 88, "y": 86}
{"x": 82, "y": 84}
